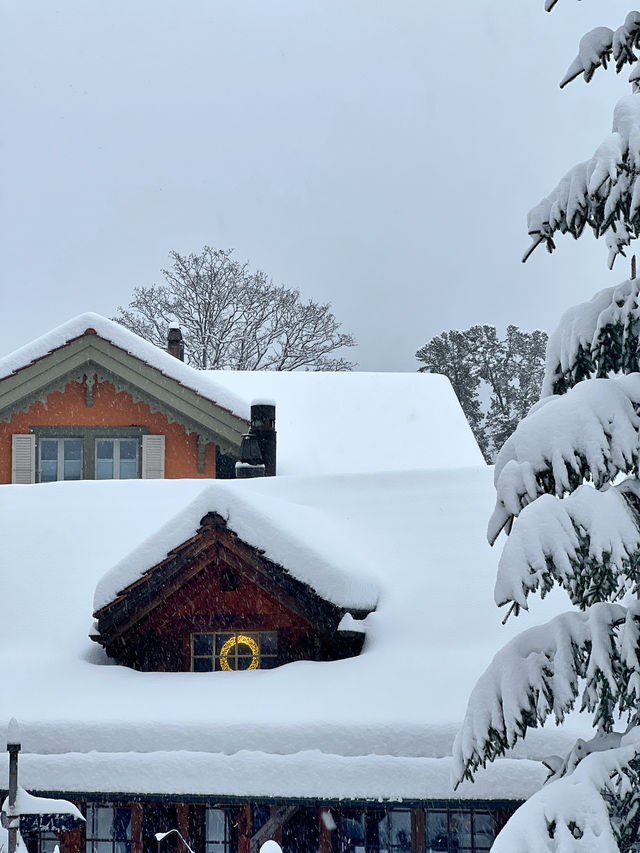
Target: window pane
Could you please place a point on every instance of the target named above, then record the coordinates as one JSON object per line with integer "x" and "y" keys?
{"x": 215, "y": 825}
{"x": 48, "y": 471}
{"x": 203, "y": 664}
{"x": 48, "y": 460}
{"x": 128, "y": 459}
{"x": 203, "y": 644}
{"x": 122, "y": 824}
{"x": 104, "y": 449}
{"x": 103, "y": 822}
{"x": 128, "y": 448}
{"x": 49, "y": 448}
{"x": 269, "y": 642}
{"x": 461, "y": 829}
{"x": 73, "y": 459}
{"x": 104, "y": 459}
{"x": 400, "y": 829}
{"x": 437, "y": 835}
{"x": 128, "y": 469}
{"x": 484, "y": 830}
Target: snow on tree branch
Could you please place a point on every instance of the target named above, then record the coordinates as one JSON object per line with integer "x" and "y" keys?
{"x": 573, "y": 813}
{"x": 590, "y": 433}
{"x": 595, "y": 338}
{"x": 541, "y": 672}
{"x": 588, "y": 543}
{"x": 603, "y": 192}
{"x": 598, "y": 46}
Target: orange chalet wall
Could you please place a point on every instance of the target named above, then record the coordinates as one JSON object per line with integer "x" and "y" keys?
{"x": 110, "y": 408}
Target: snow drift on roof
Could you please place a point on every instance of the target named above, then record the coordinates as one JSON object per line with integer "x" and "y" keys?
{"x": 420, "y": 536}
{"x": 311, "y": 545}
{"x": 354, "y": 422}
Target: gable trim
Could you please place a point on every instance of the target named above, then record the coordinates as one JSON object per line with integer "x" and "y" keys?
{"x": 182, "y": 564}
{"x": 90, "y": 355}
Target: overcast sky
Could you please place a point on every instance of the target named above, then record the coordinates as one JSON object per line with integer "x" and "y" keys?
{"x": 377, "y": 154}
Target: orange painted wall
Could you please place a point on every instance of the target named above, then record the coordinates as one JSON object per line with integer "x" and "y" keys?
{"x": 110, "y": 408}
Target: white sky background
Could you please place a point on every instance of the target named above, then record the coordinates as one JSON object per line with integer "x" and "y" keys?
{"x": 378, "y": 154}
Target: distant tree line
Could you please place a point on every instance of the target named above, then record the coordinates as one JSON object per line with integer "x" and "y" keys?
{"x": 496, "y": 380}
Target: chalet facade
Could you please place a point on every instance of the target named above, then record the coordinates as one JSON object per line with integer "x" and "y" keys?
{"x": 93, "y": 401}
{"x": 281, "y": 657}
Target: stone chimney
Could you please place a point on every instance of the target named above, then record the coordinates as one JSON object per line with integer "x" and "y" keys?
{"x": 175, "y": 344}
{"x": 257, "y": 457}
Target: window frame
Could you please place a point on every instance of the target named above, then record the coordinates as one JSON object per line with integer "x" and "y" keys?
{"x": 214, "y": 654}
{"x": 117, "y": 440}
{"x": 219, "y": 845}
{"x": 92, "y": 837}
{"x": 60, "y": 458}
{"x": 89, "y": 436}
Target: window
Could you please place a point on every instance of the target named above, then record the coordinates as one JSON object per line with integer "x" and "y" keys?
{"x": 108, "y": 829}
{"x": 60, "y": 459}
{"x": 376, "y": 830}
{"x": 87, "y": 453}
{"x": 217, "y": 831}
{"x": 234, "y": 651}
{"x": 459, "y": 831}
{"x": 116, "y": 458}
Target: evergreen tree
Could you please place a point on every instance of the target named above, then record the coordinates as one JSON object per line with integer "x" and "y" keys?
{"x": 496, "y": 380}
{"x": 568, "y": 496}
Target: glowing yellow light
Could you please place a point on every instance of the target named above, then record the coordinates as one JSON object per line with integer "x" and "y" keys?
{"x": 239, "y": 639}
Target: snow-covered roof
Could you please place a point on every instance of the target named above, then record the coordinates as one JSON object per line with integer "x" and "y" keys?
{"x": 201, "y": 382}
{"x": 352, "y": 422}
{"x": 379, "y": 725}
{"x": 327, "y": 423}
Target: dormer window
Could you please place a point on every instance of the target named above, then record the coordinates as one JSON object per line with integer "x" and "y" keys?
{"x": 229, "y": 651}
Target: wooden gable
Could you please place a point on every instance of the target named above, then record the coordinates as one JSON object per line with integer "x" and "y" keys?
{"x": 217, "y": 586}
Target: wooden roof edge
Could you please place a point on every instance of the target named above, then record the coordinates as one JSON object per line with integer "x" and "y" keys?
{"x": 122, "y": 608}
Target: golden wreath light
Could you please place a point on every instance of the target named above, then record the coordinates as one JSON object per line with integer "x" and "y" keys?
{"x": 236, "y": 641}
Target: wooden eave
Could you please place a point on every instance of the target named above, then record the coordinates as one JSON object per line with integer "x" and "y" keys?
{"x": 213, "y": 539}
{"x": 89, "y": 353}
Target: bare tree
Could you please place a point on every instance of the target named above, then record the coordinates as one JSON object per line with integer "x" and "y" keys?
{"x": 236, "y": 319}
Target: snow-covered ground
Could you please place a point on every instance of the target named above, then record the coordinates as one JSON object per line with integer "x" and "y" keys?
{"x": 379, "y": 725}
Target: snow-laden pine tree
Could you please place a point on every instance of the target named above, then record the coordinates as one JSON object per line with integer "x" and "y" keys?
{"x": 568, "y": 499}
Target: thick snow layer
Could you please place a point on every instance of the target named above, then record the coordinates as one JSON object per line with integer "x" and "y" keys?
{"x": 420, "y": 536}
{"x": 201, "y": 382}
{"x": 353, "y": 422}
{"x": 309, "y": 544}
{"x": 327, "y": 422}
{"x": 308, "y": 774}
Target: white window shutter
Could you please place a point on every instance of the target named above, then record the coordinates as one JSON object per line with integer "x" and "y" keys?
{"x": 23, "y": 458}
{"x": 152, "y": 457}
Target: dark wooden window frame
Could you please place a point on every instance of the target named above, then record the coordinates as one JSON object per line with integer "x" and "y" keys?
{"x": 229, "y": 631}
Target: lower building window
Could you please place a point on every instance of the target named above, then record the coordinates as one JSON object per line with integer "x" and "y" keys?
{"x": 116, "y": 458}
{"x": 217, "y": 831}
{"x": 108, "y": 829}
{"x": 234, "y": 651}
{"x": 60, "y": 459}
{"x": 459, "y": 830}
{"x": 376, "y": 830}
